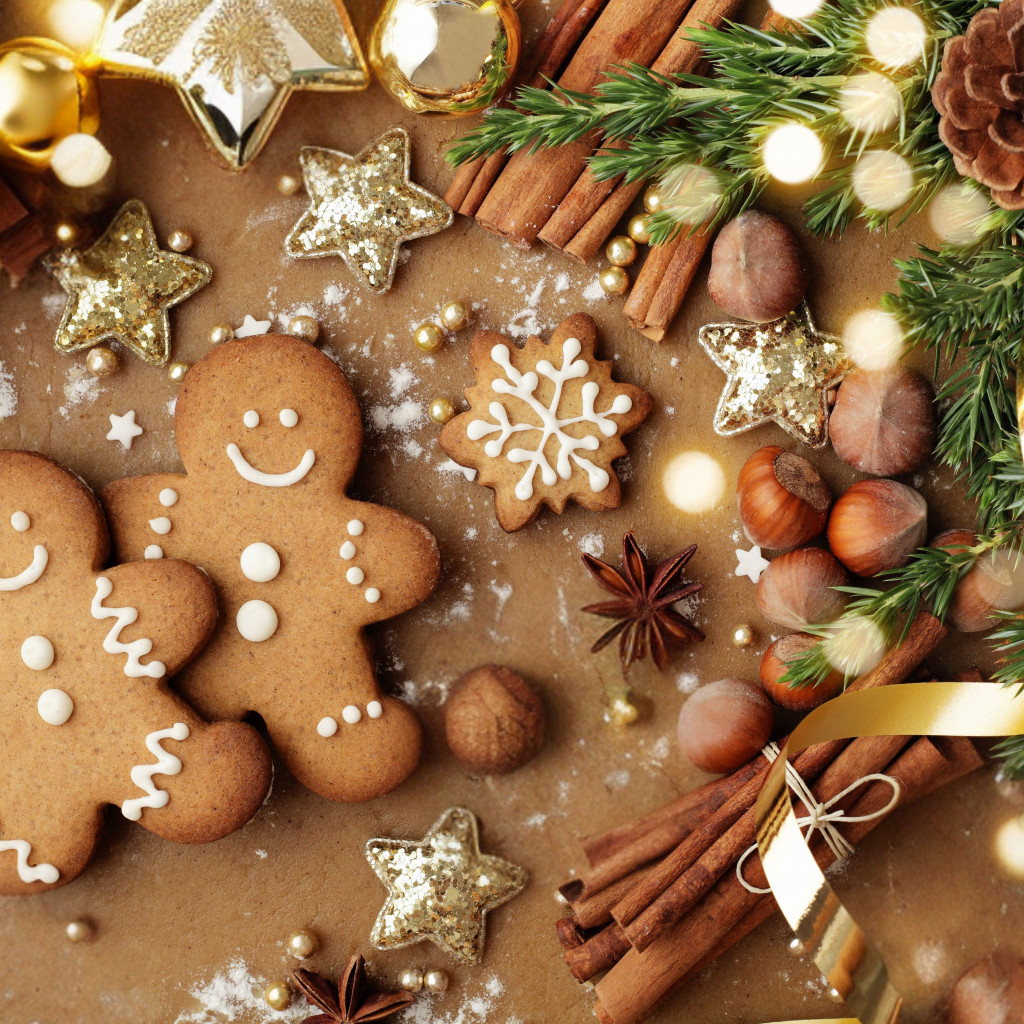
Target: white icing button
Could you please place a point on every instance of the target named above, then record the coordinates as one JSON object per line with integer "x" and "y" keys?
{"x": 354, "y": 575}
{"x": 251, "y": 419}
{"x": 351, "y": 714}
{"x": 355, "y": 528}
{"x": 20, "y": 521}
{"x": 168, "y": 497}
{"x": 55, "y": 707}
{"x": 37, "y": 653}
{"x": 256, "y": 621}
{"x": 160, "y": 525}
{"x": 289, "y": 417}
{"x": 372, "y": 595}
{"x": 374, "y": 709}
{"x": 327, "y": 727}
{"x": 153, "y": 551}
{"x": 348, "y": 551}
{"x": 260, "y": 563}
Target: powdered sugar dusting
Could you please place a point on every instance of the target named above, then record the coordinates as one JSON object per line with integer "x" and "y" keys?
{"x": 79, "y": 386}
{"x": 8, "y": 394}
{"x": 474, "y": 1008}
{"x": 235, "y": 994}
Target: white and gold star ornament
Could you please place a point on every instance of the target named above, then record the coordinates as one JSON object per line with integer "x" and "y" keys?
{"x": 362, "y": 208}
{"x": 780, "y": 372}
{"x": 441, "y": 887}
{"x": 234, "y": 63}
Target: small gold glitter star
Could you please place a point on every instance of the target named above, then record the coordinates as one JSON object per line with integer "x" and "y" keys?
{"x": 779, "y": 372}
{"x": 363, "y": 208}
{"x": 441, "y": 887}
{"x": 122, "y": 286}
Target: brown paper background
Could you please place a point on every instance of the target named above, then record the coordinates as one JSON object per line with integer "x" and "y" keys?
{"x": 169, "y": 918}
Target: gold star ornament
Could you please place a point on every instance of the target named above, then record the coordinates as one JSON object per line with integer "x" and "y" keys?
{"x": 441, "y": 887}
{"x": 780, "y": 372}
{"x": 362, "y": 208}
{"x": 234, "y": 63}
{"x": 122, "y": 286}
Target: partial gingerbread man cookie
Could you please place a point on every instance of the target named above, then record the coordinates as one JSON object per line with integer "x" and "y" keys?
{"x": 270, "y": 434}
{"x": 88, "y": 719}
{"x": 545, "y": 423}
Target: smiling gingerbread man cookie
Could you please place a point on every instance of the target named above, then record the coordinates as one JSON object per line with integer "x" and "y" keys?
{"x": 270, "y": 433}
{"x": 88, "y": 719}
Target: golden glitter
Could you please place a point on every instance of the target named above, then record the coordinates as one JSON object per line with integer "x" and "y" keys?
{"x": 441, "y": 887}
{"x": 122, "y": 286}
{"x": 778, "y": 372}
{"x": 363, "y": 208}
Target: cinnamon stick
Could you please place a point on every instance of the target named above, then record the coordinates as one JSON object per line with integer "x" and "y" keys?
{"x": 597, "y": 954}
{"x": 22, "y": 235}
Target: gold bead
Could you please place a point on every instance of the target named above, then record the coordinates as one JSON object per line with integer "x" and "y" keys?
{"x": 176, "y": 371}
{"x": 653, "y": 198}
{"x": 179, "y": 241}
{"x": 411, "y": 979}
{"x": 428, "y": 337}
{"x": 454, "y": 316}
{"x": 639, "y": 228}
{"x": 614, "y": 280}
{"x": 304, "y": 327}
{"x": 621, "y": 251}
{"x": 288, "y": 184}
{"x": 441, "y": 410}
{"x": 101, "y": 361}
{"x": 66, "y": 232}
{"x": 78, "y": 931}
{"x": 742, "y": 635}
{"x": 278, "y": 995}
{"x": 835, "y": 995}
{"x": 796, "y": 947}
{"x": 622, "y": 711}
{"x": 303, "y": 944}
{"x": 219, "y": 333}
{"x": 435, "y": 981}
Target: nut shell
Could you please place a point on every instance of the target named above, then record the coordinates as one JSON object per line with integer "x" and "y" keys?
{"x": 989, "y": 992}
{"x": 984, "y": 588}
{"x": 724, "y": 724}
{"x": 494, "y": 720}
{"x": 796, "y": 589}
{"x": 775, "y": 664}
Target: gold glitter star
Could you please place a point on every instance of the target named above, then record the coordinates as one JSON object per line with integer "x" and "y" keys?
{"x": 441, "y": 887}
{"x": 122, "y": 286}
{"x": 780, "y": 372}
{"x": 234, "y": 63}
{"x": 363, "y": 208}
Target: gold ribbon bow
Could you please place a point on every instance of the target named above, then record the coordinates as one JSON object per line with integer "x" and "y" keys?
{"x": 843, "y": 953}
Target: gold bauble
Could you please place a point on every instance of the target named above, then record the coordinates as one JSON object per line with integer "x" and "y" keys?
{"x": 176, "y": 372}
{"x": 278, "y": 995}
{"x": 653, "y": 198}
{"x": 179, "y": 241}
{"x": 454, "y": 316}
{"x": 78, "y": 931}
{"x": 614, "y": 280}
{"x": 411, "y": 979}
{"x": 742, "y": 635}
{"x": 446, "y": 56}
{"x": 622, "y": 711}
{"x": 304, "y": 327}
{"x": 44, "y": 98}
{"x": 303, "y": 944}
{"x": 101, "y": 361}
{"x": 435, "y": 981}
{"x": 288, "y": 184}
{"x": 639, "y": 228}
{"x": 441, "y": 410}
{"x": 428, "y": 337}
{"x": 621, "y": 251}
{"x": 219, "y": 333}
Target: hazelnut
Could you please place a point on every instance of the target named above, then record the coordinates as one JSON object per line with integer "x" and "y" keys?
{"x": 877, "y": 525}
{"x": 883, "y": 422}
{"x": 775, "y": 664}
{"x": 493, "y": 720}
{"x": 987, "y": 586}
{"x": 724, "y": 724}
{"x": 990, "y": 992}
{"x": 796, "y": 589}
{"x": 757, "y": 269}
{"x": 783, "y": 500}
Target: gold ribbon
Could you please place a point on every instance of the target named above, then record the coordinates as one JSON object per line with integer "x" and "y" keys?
{"x": 843, "y": 953}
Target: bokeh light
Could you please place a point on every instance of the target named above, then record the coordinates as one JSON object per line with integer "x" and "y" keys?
{"x": 882, "y": 180}
{"x": 76, "y": 23}
{"x": 797, "y": 8}
{"x": 792, "y": 153}
{"x": 691, "y": 193}
{"x": 959, "y": 213}
{"x": 870, "y": 102}
{"x": 694, "y": 482}
{"x": 1009, "y": 847}
{"x": 873, "y": 339}
{"x": 896, "y": 37}
{"x": 856, "y": 646}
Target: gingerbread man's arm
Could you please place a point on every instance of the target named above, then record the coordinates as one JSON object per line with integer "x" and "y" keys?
{"x": 134, "y": 505}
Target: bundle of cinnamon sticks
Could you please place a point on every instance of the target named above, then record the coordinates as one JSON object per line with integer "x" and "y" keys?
{"x": 22, "y": 235}
{"x": 661, "y": 899}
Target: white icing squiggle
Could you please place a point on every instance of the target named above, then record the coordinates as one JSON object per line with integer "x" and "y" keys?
{"x": 111, "y": 643}
{"x": 257, "y": 476}
{"x": 142, "y": 774}
{"x": 39, "y": 559}
{"x": 40, "y": 873}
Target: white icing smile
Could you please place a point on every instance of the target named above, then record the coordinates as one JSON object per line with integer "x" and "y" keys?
{"x": 257, "y": 476}
{"x": 29, "y": 575}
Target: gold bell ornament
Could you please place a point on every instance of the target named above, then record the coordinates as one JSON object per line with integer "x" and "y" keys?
{"x": 446, "y": 56}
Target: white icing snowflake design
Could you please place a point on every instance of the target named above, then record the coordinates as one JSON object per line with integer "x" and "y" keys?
{"x": 524, "y": 387}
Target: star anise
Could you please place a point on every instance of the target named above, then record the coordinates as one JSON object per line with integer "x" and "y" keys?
{"x": 643, "y": 604}
{"x": 350, "y": 1003}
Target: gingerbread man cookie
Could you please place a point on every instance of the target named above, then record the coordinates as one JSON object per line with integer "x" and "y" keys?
{"x": 270, "y": 433}
{"x": 88, "y": 719}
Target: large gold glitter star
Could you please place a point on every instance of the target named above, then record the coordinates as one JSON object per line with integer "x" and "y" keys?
{"x": 780, "y": 372}
{"x": 441, "y": 887}
{"x": 234, "y": 63}
{"x": 121, "y": 287}
{"x": 363, "y": 208}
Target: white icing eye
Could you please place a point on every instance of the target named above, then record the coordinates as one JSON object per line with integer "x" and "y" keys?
{"x": 251, "y": 419}
{"x": 20, "y": 521}
{"x": 153, "y": 551}
{"x": 289, "y": 417}
{"x": 168, "y": 497}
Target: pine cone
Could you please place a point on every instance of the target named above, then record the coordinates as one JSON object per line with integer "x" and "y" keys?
{"x": 979, "y": 93}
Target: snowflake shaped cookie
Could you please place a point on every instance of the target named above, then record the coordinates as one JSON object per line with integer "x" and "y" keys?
{"x": 545, "y": 422}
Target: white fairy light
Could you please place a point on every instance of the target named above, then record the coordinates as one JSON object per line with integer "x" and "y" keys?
{"x": 691, "y": 193}
{"x": 873, "y": 339}
{"x": 958, "y": 214}
{"x": 792, "y": 153}
{"x": 882, "y": 180}
{"x": 870, "y": 102}
{"x": 1009, "y": 847}
{"x": 797, "y": 8}
{"x": 856, "y": 646}
{"x": 694, "y": 482}
{"x": 896, "y": 37}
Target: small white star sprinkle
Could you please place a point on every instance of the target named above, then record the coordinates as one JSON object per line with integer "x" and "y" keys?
{"x": 124, "y": 428}
{"x": 750, "y": 563}
{"x": 251, "y": 326}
